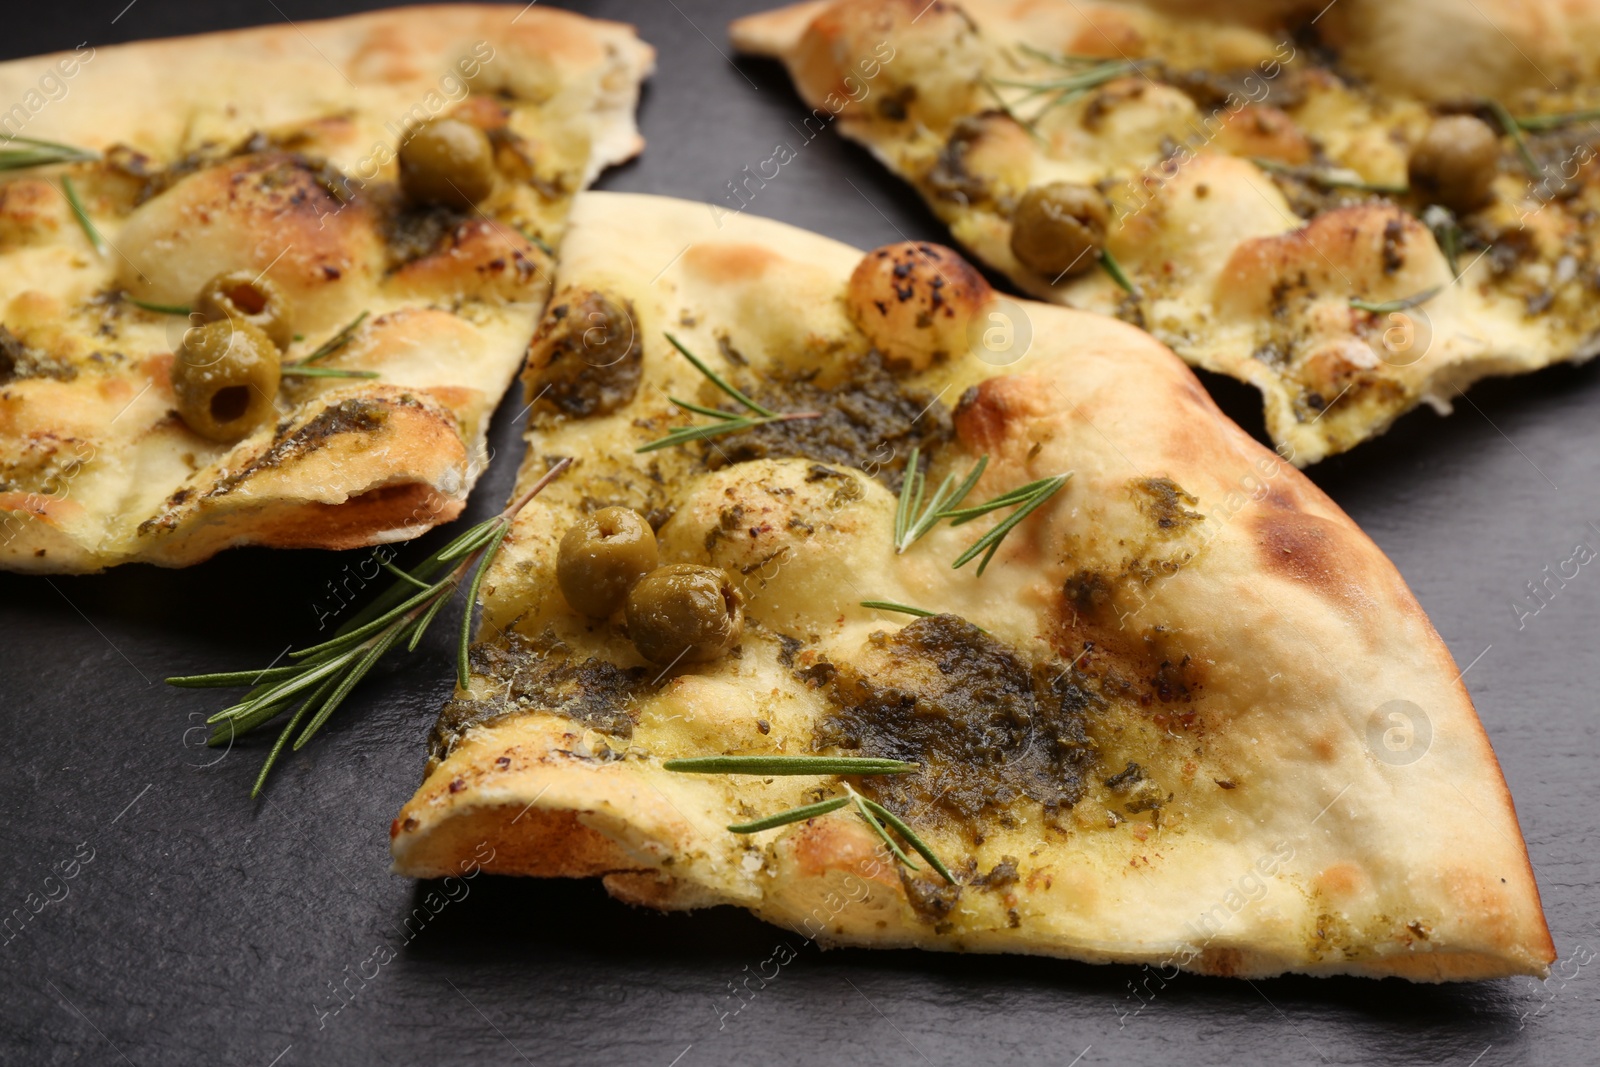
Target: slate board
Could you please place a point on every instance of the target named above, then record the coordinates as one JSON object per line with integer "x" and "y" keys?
{"x": 210, "y": 930}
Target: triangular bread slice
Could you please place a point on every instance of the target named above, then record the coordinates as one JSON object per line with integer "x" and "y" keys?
{"x": 1254, "y": 160}
{"x": 1204, "y": 723}
{"x": 273, "y": 150}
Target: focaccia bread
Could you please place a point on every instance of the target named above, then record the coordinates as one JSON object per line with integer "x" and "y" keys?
{"x": 1189, "y": 715}
{"x": 1322, "y": 200}
{"x": 272, "y": 152}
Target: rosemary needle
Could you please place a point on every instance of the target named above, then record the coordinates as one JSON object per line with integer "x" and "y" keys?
{"x": 70, "y": 191}
{"x": 326, "y": 673}
{"x": 336, "y": 342}
{"x": 159, "y": 309}
{"x": 1386, "y": 306}
{"x": 784, "y": 818}
{"x": 784, "y": 765}
{"x": 37, "y": 153}
{"x": 727, "y": 421}
{"x": 911, "y": 520}
{"x": 1030, "y": 497}
{"x": 1109, "y": 264}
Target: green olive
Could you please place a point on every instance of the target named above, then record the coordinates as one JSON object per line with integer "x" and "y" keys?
{"x": 601, "y": 557}
{"x": 684, "y": 613}
{"x": 1455, "y": 163}
{"x": 244, "y": 294}
{"x": 447, "y": 161}
{"x": 226, "y": 376}
{"x": 1059, "y": 229}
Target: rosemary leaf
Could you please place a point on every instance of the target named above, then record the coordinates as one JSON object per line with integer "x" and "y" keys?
{"x": 297, "y": 371}
{"x": 866, "y": 813}
{"x": 990, "y": 542}
{"x": 717, "y": 379}
{"x": 727, "y": 421}
{"x": 716, "y": 413}
{"x": 336, "y": 342}
{"x": 903, "y": 609}
{"x": 782, "y": 765}
{"x": 1086, "y": 80}
{"x": 1386, "y": 306}
{"x": 1447, "y": 231}
{"x": 784, "y": 818}
{"x": 960, "y": 516}
{"x": 404, "y": 576}
{"x": 1109, "y": 264}
{"x": 159, "y": 309}
{"x": 906, "y": 832}
{"x": 70, "y": 191}
{"x": 1327, "y": 179}
{"x": 912, "y": 520}
{"x": 1514, "y": 131}
{"x": 1537, "y": 123}
{"x": 37, "y": 153}
{"x": 462, "y": 678}
{"x": 232, "y": 679}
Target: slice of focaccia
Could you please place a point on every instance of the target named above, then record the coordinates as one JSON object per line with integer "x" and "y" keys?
{"x": 1333, "y": 203}
{"x": 1187, "y": 714}
{"x": 269, "y": 157}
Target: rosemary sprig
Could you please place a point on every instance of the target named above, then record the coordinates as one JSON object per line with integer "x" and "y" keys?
{"x": 727, "y": 421}
{"x": 70, "y": 191}
{"x": 298, "y": 371}
{"x": 302, "y": 368}
{"x": 336, "y": 342}
{"x": 1109, "y": 264}
{"x": 159, "y": 309}
{"x": 866, "y": 813}
{"x": 326, "y": 673}
{"x": 906, "y": 832}
{"x": 1065, "y": 89}
{"x": 784, "y": 818}
{"x": 875, "y": 815}
{"x": 903, "y": 609}
{"x": 784, "y": 765}
{"x": 1328, "y": 179}
{"x": 37, "y": 153}
{"x": 911, "y": 519}
{"x": 1386, "y": 306}
{"x": 1538, "y": 123}
{"x": 1030, "y": 497}
{"x": 1514, "y": 131}
{"x": 1088, "y": 79}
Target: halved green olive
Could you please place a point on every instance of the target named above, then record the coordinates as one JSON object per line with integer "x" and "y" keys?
{"x": 602, "y": 556}
{"x": 244, "y": 294}
{"x": 1456, "y": 162}
{"x": 226, "y": 376}
{"x": 1059, "y": 229}
{"x": 684, "y": 613}
{"x": 447, "y": 161}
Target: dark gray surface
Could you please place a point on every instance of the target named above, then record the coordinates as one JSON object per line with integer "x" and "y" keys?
{"x": 207, "y": 929}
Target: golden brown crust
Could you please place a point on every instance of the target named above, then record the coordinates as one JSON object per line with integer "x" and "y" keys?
{"x": 272, "y": 150}
{"x": 1239, "y": 637}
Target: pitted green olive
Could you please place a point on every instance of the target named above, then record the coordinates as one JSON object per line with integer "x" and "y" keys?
{"x": 1456, "y": 162}
{"x": 684, "y": 613}
{"x": 244, "y": 294}
{"x": 601, "y": 557}
{"x": 225, "y": 375}
{"x": 1059, "y": 229}
{"x": 447, "y": 161}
